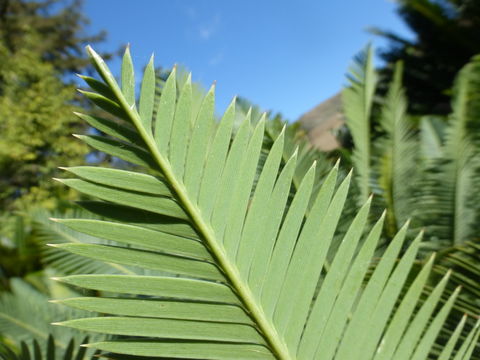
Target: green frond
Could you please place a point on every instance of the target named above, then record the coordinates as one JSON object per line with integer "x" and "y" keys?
{"x": 398, "y": 162}
{"x": 432, "y": 131}
{"x": 463, "y": 260}
{"x": 357, "y": 100}
{"x": 33, "y": 350}
{"x": 239, "y": 265}
{"x": 446, "y": 205}
{"x": 26, "y": 315}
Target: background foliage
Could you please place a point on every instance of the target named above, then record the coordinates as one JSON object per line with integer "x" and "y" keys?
{"x": 441, "y": 28}
{"x": 41, "y": 45}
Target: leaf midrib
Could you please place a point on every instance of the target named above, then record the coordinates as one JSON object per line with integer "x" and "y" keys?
{"x": 270, "y": 334}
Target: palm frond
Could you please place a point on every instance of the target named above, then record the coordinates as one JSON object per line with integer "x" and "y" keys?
{"x": 432, "y": 131}
{"x": 18, "y": 251}
{"x": 357, "y": 103}
{"x": 26, "y": 314}
{"x": 33, "y": 350}
{"x": 446, "y": 207}
{"x": 397, "y": 165}
{"x": 463, "y": 260}
{"x": 240, "y": 268}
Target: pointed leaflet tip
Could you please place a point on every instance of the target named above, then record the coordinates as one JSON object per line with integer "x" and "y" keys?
{"x": 262, "y": 119}
{"x": 91, "y": 52}
{"x": 211, "y": 90}
{"x": 447, "y": 275}
{"x": 384, "y": 213}
{"x": 282, "y": 133}
{"x": 422, "y": 232}
{"x": 337, "y": 164}
{"x": 369, "y": 202}
{"x": 295, "y": 152}
{"x": 83, "y": 92}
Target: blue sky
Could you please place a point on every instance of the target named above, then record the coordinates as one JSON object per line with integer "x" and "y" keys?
{"x": 285, "y": 56}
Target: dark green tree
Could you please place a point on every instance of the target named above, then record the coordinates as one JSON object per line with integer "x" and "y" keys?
{"x": 446, "y": 37}
{"x": 62, "y": 28}
{"x": 41, "y": 45}
{"x": 36, "y": 123}
{"x": 40, "y": 48}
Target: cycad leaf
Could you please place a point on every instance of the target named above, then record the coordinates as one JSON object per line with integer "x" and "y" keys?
{"x": 36, "y": 350}
{"x": 166, "y": 309}
{"x": 357, "y": 102}
{"x": 448, "y": 349}
{"x": 127, "y": 152}
{"x": 158, "y": 204}
{"x": 397, "y": 164}
{"x": 122, "y": 179}
{"x": 469, "y": 344}
{"x": 165, "y": 112}
{"x": 451, "y": 216}
{"x": 138, "y": 236}
{"x": 128, "y": 78}
{"x": 53, "y": 233}
{"x": 261, "y": 264}
{"x": 181, "y": 128}
{"x": 25, "y": 317}
{"x": 187, "y": 350}
{"x": 198, "y": 147}
{"x": 147, "y": 96}
{"x": 116, "y": 129}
